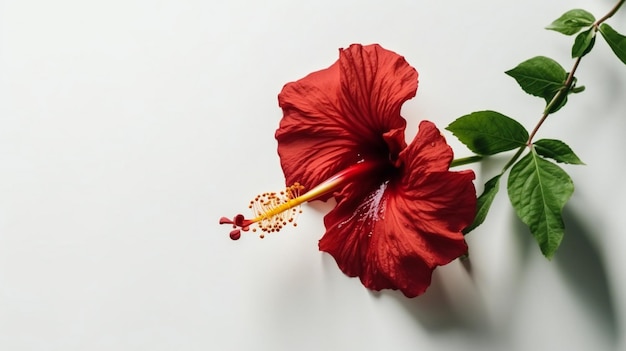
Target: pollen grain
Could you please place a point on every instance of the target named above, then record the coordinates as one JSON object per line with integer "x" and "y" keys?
{"x": 273, "y": 211}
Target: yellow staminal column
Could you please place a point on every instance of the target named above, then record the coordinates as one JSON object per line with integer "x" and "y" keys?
{"x": 273, "y": 211}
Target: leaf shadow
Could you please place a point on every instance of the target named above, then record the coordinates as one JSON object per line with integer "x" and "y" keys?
{"x": 611, "y": 83}
{"x": 582, "y": 266}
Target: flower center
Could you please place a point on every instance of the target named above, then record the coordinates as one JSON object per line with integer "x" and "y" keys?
{"x": 273, "y": 211}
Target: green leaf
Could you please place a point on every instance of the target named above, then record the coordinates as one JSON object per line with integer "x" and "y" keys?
{"x": 571, "y": 22}
{"x": 540, "y": 76}
{"x": 616, "y": 41}
{"x": 538, "y": 190}
{"x": 557, "y": 150}
{"x": 489, "y": 132}
{"x": 584, "y": 43}
{"x": 483, "y": 203}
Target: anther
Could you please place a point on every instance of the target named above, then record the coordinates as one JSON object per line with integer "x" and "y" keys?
{"x": 272, "y": 211}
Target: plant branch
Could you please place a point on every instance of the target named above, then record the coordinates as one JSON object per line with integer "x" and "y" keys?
{"x": 567, "y": 86}
{"x": 562, "y": 93}
{"x": 610, "y": 13}
{"x": 557, "y": 99}
{"x": 513, "y": 159}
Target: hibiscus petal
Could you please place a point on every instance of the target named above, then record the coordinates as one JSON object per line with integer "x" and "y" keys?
{"x": 428, "y": 152}
{"x": 394, "y": 236}
{"x": 350, "y": 111}
{"x": 375, "y": 83}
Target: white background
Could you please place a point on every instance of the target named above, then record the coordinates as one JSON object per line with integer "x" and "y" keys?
{"x": 127, "y": 128}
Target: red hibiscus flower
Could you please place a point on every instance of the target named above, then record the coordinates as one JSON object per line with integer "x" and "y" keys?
{"x": 400, "y": 211}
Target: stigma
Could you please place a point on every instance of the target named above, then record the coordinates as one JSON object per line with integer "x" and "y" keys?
{"x": 272, "y": 211}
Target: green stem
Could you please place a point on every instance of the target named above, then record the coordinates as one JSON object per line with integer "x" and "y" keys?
{"x": 513, "y": 159}
{"x": 465, "y": 160}
{"x": 557, "y": 99}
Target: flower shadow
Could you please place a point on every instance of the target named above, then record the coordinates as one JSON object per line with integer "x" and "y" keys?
{"x": 449, "y": 307}
{"x": 444, "y": 309}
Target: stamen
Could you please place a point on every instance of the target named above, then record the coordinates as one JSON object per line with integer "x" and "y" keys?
{"x": 273, "y": 211}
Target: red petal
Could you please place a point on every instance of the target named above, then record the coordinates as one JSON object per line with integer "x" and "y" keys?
{"x": 394, "y": 236}
{"x": 375, "y": 83}
{"x": 335, "y": 117}
{"x": 428, "y": 152}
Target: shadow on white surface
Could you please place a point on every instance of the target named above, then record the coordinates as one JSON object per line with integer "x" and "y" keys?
{"x": 443, "y": 310}
{"x": 438, "y": 311}
{"x": 582, "y": 266}
{"x": 579, "y": 267}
